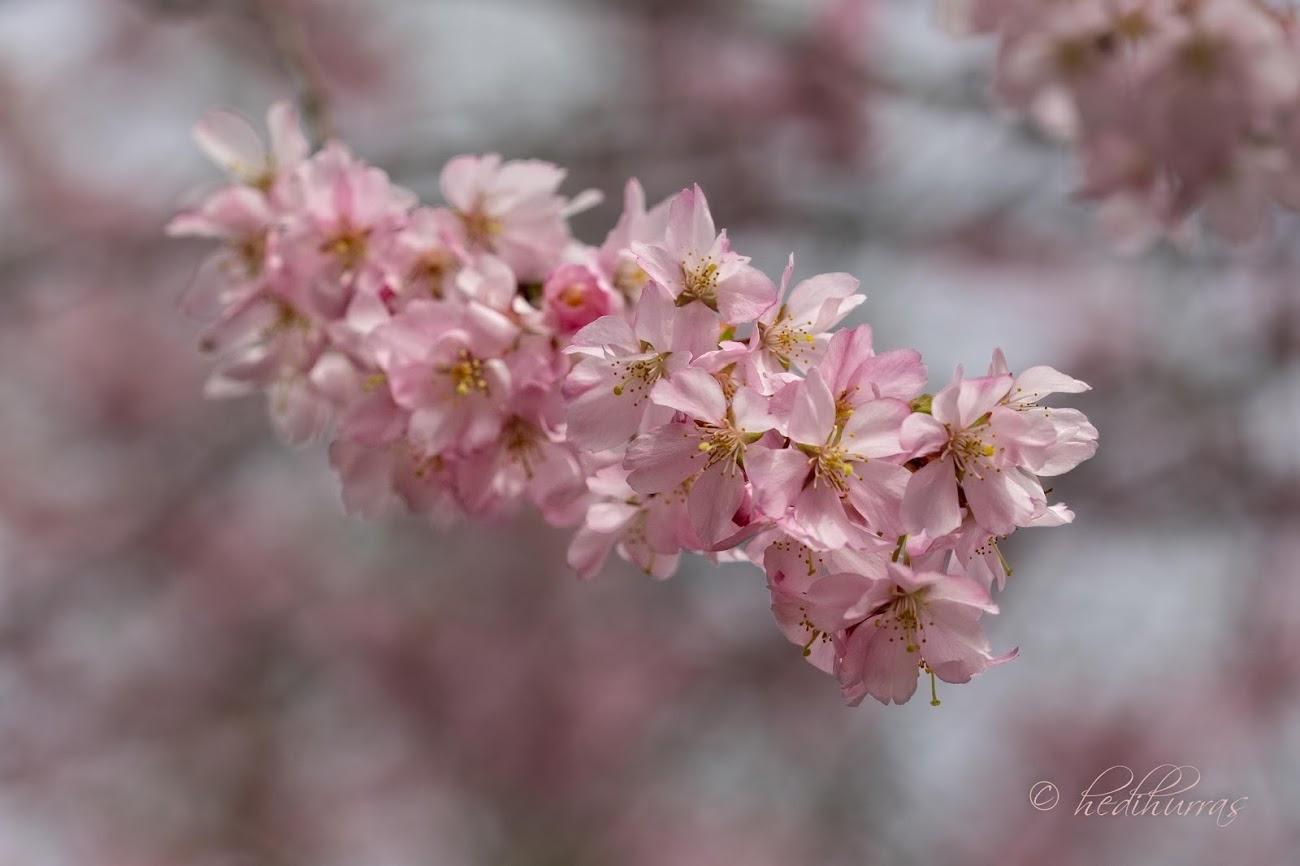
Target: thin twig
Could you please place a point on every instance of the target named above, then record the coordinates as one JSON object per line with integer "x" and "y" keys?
{"x": 291, "y": 46}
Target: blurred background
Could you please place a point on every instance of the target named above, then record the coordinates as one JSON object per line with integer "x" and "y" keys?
{"x": 204, "y": 661}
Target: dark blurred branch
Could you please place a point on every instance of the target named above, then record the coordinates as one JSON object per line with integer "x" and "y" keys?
{"x": 290, "y": 44}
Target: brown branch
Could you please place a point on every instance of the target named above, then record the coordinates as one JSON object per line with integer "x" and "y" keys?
{"x": 290, "y": 42}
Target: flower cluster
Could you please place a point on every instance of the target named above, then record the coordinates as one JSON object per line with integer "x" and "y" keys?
{"x": 1175, "y": 105}
{"x": 658, "y": 393}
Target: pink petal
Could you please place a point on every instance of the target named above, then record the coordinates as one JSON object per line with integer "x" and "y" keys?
{"x": 813, "y": 414}
{"x": 232, "y": 143}
{"x": 832, "y": 312}
{"x": 880, "y": 668}
{"x": 589, "y": 550}
{"x": 663, "y": 458}
{"x": 930, "y": 503}
{"x": 807, "y": 299}
{"x": 694, "y": 330}
{"x": 288, "y": 144}
{"x": 1037, "y": 382}
{"x": 434, "y": 428}
{"x": 847, "y": 350}
{"x": 954, "y": 589}
{"x": 604, "y": 334}
{"x": 778, "y": 475}
{"x": 877, "y": 494}
{"x": 922, "y": 434}
{"x": 874, "y": 427}
{"x": 975, "y": 397}
{"x": 819, "y": 514}
{"x": 838, "y": 601}
{"x": 607, "y": 517}
{"x": 463, "y": 177}
{"x": 366, "y": 475}
{"x": 653, "y": 319}
{"x": 899, "y": 374}
{"x": 298, "y": 412}
{"x": 690, "y": 225}
{"x": 745, "y": 295}
{"x": 714, "y": 499}
{"x": 999, "y": 502}
{"x": 599, "y": 420}
{"x": 752, "y": 413}
{"x": 694, "y": 392}
{"x": 998, "y": 366}
{"x": 661, "y": 266}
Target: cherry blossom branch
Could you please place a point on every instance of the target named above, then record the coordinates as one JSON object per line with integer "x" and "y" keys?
{"x": 657, "y": 393}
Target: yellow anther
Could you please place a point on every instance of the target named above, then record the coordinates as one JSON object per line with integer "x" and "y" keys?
{"x": 807, "y": 648}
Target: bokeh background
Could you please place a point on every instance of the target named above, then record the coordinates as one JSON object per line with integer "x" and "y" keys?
{"x": 203, "y": 661}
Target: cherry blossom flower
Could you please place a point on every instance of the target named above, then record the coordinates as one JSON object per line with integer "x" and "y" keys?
{"x": 855, "y": 374}
{"x": 423, "y": 258}
{"x": 636, "y": 224}
{"x": 707, "y": 448}
{"x": 619, "y": 363}
{"x": 232, "y": 143}
{"x": 343, "y": 209}
{"x": 973, "y": 443}
{"x": 1074, "y": 439}
{"x": 831, "y": 476}
{"x": 650, "y": 530}
{"x": 512, "y": 209}
{"x": 695, "y": 264}
{"x": 443, "y": 364}
{"x": 817, "y": 595}
{"x": 796, "y": 331}
{"x": 574, "y": 297}
{"x": 911, "y": 621}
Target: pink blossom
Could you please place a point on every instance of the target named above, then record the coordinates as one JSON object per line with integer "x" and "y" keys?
{"x": 831, "y": 476}
{"x": 379, "y": 479}
{"x": 813, "y": 610}
{"x": 648, "y": 530}
{"x": 619, "y": 363}
{"x": 912, "y": 621}
{"x": 342, "y": 211}
{"x": 1131, "y": 82}
{"x": 695, "y": 263}
{"x": 423, "y": 258}
{"x": 615, "y": 257}
{"x": 232, "y": 143}
{"x": 796, "y": 331}
{"x": 970, "y": 440}
{"x": 443, "y": 364}
{"x": 511, "y": 209}
{"x": 855, "y": 374}
{"x": 528, "y": 465}
{"x": 574, "y": 297}
{"x": 707, "y": 448}
{"x": 1074, "y": 438}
